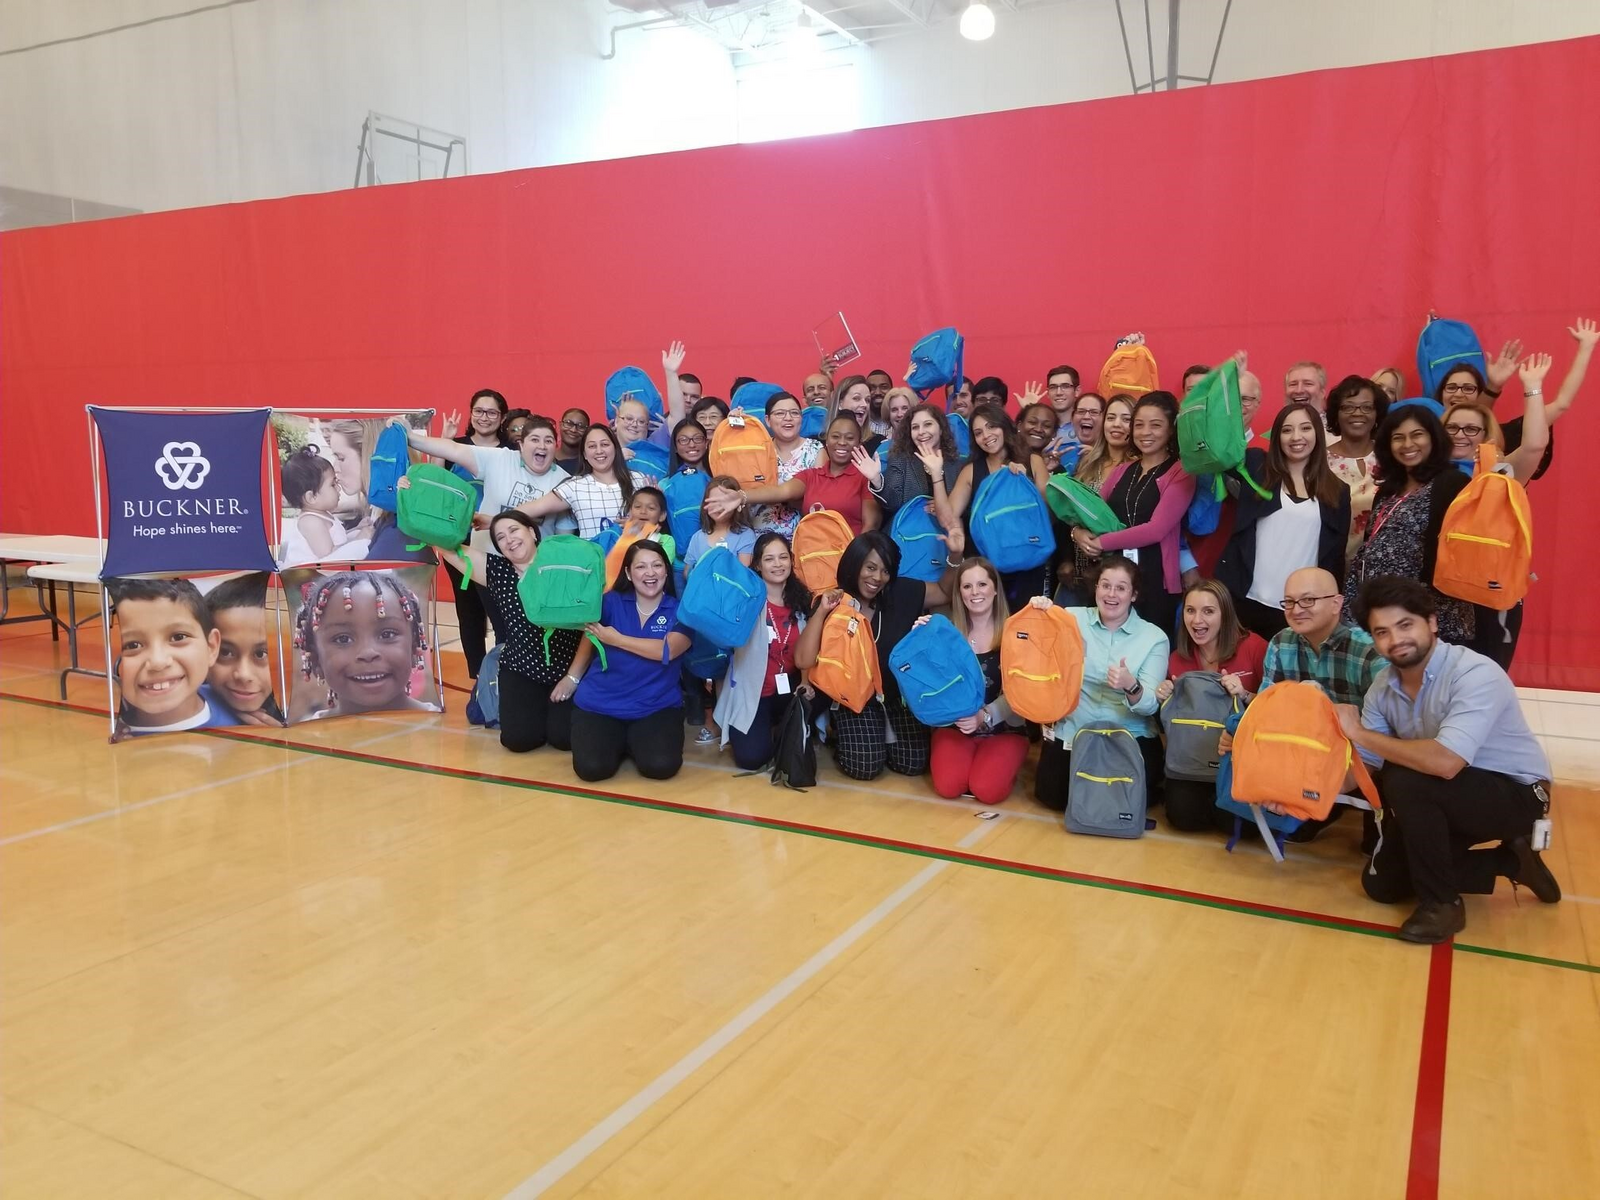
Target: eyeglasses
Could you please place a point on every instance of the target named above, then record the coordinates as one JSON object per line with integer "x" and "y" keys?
{"x": 1305, "y": 603}
{"x": 1248, "y": 399}
{"x": 782, "y": 412}
{"x": 574, "y": 424}
{"x": 1464, "y": 431}
{"x": 1357, "y": 410}
{"x": 486, "y": 412}
{"x": 1063, "y": 387}
{"x": 1460, "y": 389}
{"x": 689, "y": 439}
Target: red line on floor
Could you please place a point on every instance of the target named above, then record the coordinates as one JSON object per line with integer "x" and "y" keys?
{"x": 1427, "y": 1117}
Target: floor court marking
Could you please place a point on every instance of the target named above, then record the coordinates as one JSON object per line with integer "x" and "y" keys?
{"x": 645, "y": 1098}
{"x": 1427, "y": 1116}
{"x": 125, "y": 809}
{"x": 871, "y": 841}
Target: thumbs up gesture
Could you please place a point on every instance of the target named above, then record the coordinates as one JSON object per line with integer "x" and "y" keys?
{"x": 1120, "y": 677}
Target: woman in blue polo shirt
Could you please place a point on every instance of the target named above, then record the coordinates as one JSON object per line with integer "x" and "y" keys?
{"x": 632, "y": 706}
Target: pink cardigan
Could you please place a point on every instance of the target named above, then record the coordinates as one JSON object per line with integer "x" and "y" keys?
{"x": 1176, "y": 488}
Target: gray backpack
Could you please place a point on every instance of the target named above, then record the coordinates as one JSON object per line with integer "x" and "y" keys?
{"x": 1107, "y": 794}
{"x": 1193, "y": 718}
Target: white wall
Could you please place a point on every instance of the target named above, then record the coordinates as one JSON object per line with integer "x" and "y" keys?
{"x": 266, "y": 97}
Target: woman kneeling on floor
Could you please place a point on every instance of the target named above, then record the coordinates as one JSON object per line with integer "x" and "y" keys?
{"x": 629, "y": 704}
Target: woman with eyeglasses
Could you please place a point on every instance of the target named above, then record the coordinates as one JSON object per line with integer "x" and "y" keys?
{"x": 1356, "y": 407}
{"x": 795, "y": 454}
{"x": 569, "y": 453}
{"x": 1416, "y": 484}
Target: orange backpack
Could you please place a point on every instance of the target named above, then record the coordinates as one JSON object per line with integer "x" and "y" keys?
{"x": 1486, "y": 540}
{"x": 1130, "y": 371}
{"x": 742, "y": 447}
{"x": 819, "y": 540}
{"x": 847, "y": 658}
{"x": 632, "y": 531}
{"x": 1041, "y": 663}
{"x": 1290, "y": 751}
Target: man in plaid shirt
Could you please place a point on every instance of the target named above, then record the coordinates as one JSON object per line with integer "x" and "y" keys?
{"x": 1317, "y": 645}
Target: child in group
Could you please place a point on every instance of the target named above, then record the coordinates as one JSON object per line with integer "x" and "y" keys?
{"x": 732, "y": 530}
{"x": 242, "y": 675}
{"x": 316, "y": 535}
{"x": 649, "y": 507}
{"x": 166, "y": 643}
{"x": 362, "y": 634}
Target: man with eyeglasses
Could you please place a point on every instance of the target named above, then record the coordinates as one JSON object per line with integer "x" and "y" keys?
{"x": 1318, "y": 646}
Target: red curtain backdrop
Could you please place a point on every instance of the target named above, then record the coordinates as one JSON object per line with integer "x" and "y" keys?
{"x": 1316, "y": 216}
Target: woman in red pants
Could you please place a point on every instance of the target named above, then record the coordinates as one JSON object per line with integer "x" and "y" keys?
{"x": 980, "y": 755}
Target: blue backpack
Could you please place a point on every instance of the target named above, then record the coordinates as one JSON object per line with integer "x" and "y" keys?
{"x": 483, "y": 707}
{"x": 960, "y": 433}
{"x": 935, "y": 361}
{"x": 1279, "y": 824}
{"x": 813, "y": 421}
{"x": 921, "y": 541}
{"x": 1010, "y": 522}
{"x": 1443, "y": 346}
{"x": 632, "y": 381}
{"x": 723, "y": 600}
{"x": 753, "y": 397}
{"x": 390, "y": 461}
{"x": 705, "y": 660}
{"x": 648, "y": 459}
{"x": 937, "y": 673}
{"x": 685, "y": 492}
{"x": 1205, "y": 510}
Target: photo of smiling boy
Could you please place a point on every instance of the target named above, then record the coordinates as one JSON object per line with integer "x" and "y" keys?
{"x": 166, "y": 642}
{"x": 241, "y": 678}
{"x": 362, "y": 637}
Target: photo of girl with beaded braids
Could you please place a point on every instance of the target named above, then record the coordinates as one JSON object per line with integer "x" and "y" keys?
{"x": 360, "y": 643}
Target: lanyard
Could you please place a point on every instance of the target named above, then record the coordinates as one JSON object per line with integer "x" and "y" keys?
{"x": 1379, "y": 521}
{"x": 782, "y": 636}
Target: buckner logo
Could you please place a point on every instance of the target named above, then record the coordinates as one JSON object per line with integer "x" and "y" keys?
{"x": 182, "y": 466}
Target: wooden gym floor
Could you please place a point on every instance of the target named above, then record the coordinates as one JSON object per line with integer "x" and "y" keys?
{"x": 382, "y": 958}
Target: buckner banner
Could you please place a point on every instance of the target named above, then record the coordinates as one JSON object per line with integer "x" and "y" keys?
{"x": 184, "y": 491}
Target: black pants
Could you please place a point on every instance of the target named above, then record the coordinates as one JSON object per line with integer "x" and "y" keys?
{"x": 1192, "y": 807}
{"x": 1430, "y": 826}
{"x": 1496, "y": 633}
{"x": 1265, "y": 621}
{"x": 528, "y": 718}
{"x": 1158, "y": 607}
{"x": 471, "y": 620}
{"x": 653, "y": 741}
{"x": 860, "y": 746}
{"x": 1053, "y": 780}
{"x": 752, "y": 750}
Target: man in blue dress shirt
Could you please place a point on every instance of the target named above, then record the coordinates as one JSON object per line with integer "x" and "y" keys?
{"x": 1459, "y": 767}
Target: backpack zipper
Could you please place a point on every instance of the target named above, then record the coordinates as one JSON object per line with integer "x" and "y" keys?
{"x": 1010, "y": 508}
{"x": 443, "y": 487}
{"x": 1107, "y": 779}
{"x": 1021, "y": 674}
{"x": 1204, "y": 724}
{"x": 1294, "y": 739}
{"x": 1472, "y": 537}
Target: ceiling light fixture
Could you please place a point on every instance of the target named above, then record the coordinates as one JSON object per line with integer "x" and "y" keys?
{"x": 977, "y": 21}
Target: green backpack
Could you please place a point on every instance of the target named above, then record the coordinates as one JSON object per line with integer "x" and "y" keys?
{"x": 1211, "y": 437}
{"x": 436, "y": 507}
{"x": 1076, "y": 503}
{"x": 564, "y": 586}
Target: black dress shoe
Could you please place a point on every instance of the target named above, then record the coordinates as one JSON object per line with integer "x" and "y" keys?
{"x": 1532, "y": 874}
{"x": 1434, "y": 922}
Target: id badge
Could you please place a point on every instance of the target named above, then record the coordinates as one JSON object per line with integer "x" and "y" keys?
{"x": 1131, "y": 555}
{"x": 781, "y": 682}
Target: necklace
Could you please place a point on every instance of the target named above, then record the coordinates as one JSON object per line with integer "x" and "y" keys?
{"x": 1136, "y": 491}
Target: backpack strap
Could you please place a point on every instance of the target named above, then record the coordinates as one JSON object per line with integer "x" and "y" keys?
{"x": 1244, "y": 474}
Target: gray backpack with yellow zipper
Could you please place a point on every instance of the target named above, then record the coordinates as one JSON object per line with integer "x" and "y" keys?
{"x": 1106, "y": 796}
{"x": 1193, "y": 718}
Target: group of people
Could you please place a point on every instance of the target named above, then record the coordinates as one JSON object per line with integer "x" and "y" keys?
{"x": 1323, "y": 573}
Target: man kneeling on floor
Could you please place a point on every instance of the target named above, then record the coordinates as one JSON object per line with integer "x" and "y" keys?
{"x": 1459, "y": 767}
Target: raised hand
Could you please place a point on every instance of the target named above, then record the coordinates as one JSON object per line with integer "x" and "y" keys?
{"x": 1586, "y": 333}
{"x": 1032, "y": 393}
{"x": 451, "y": 427}
{"x": 932, "y": 462}
{"x": 1505, "y": 366}
{"x": 955, "y": 542}
{"x": 867, "y": 464}
{"x": 672, "y": 358}
{"x": 1532, "y": 370}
